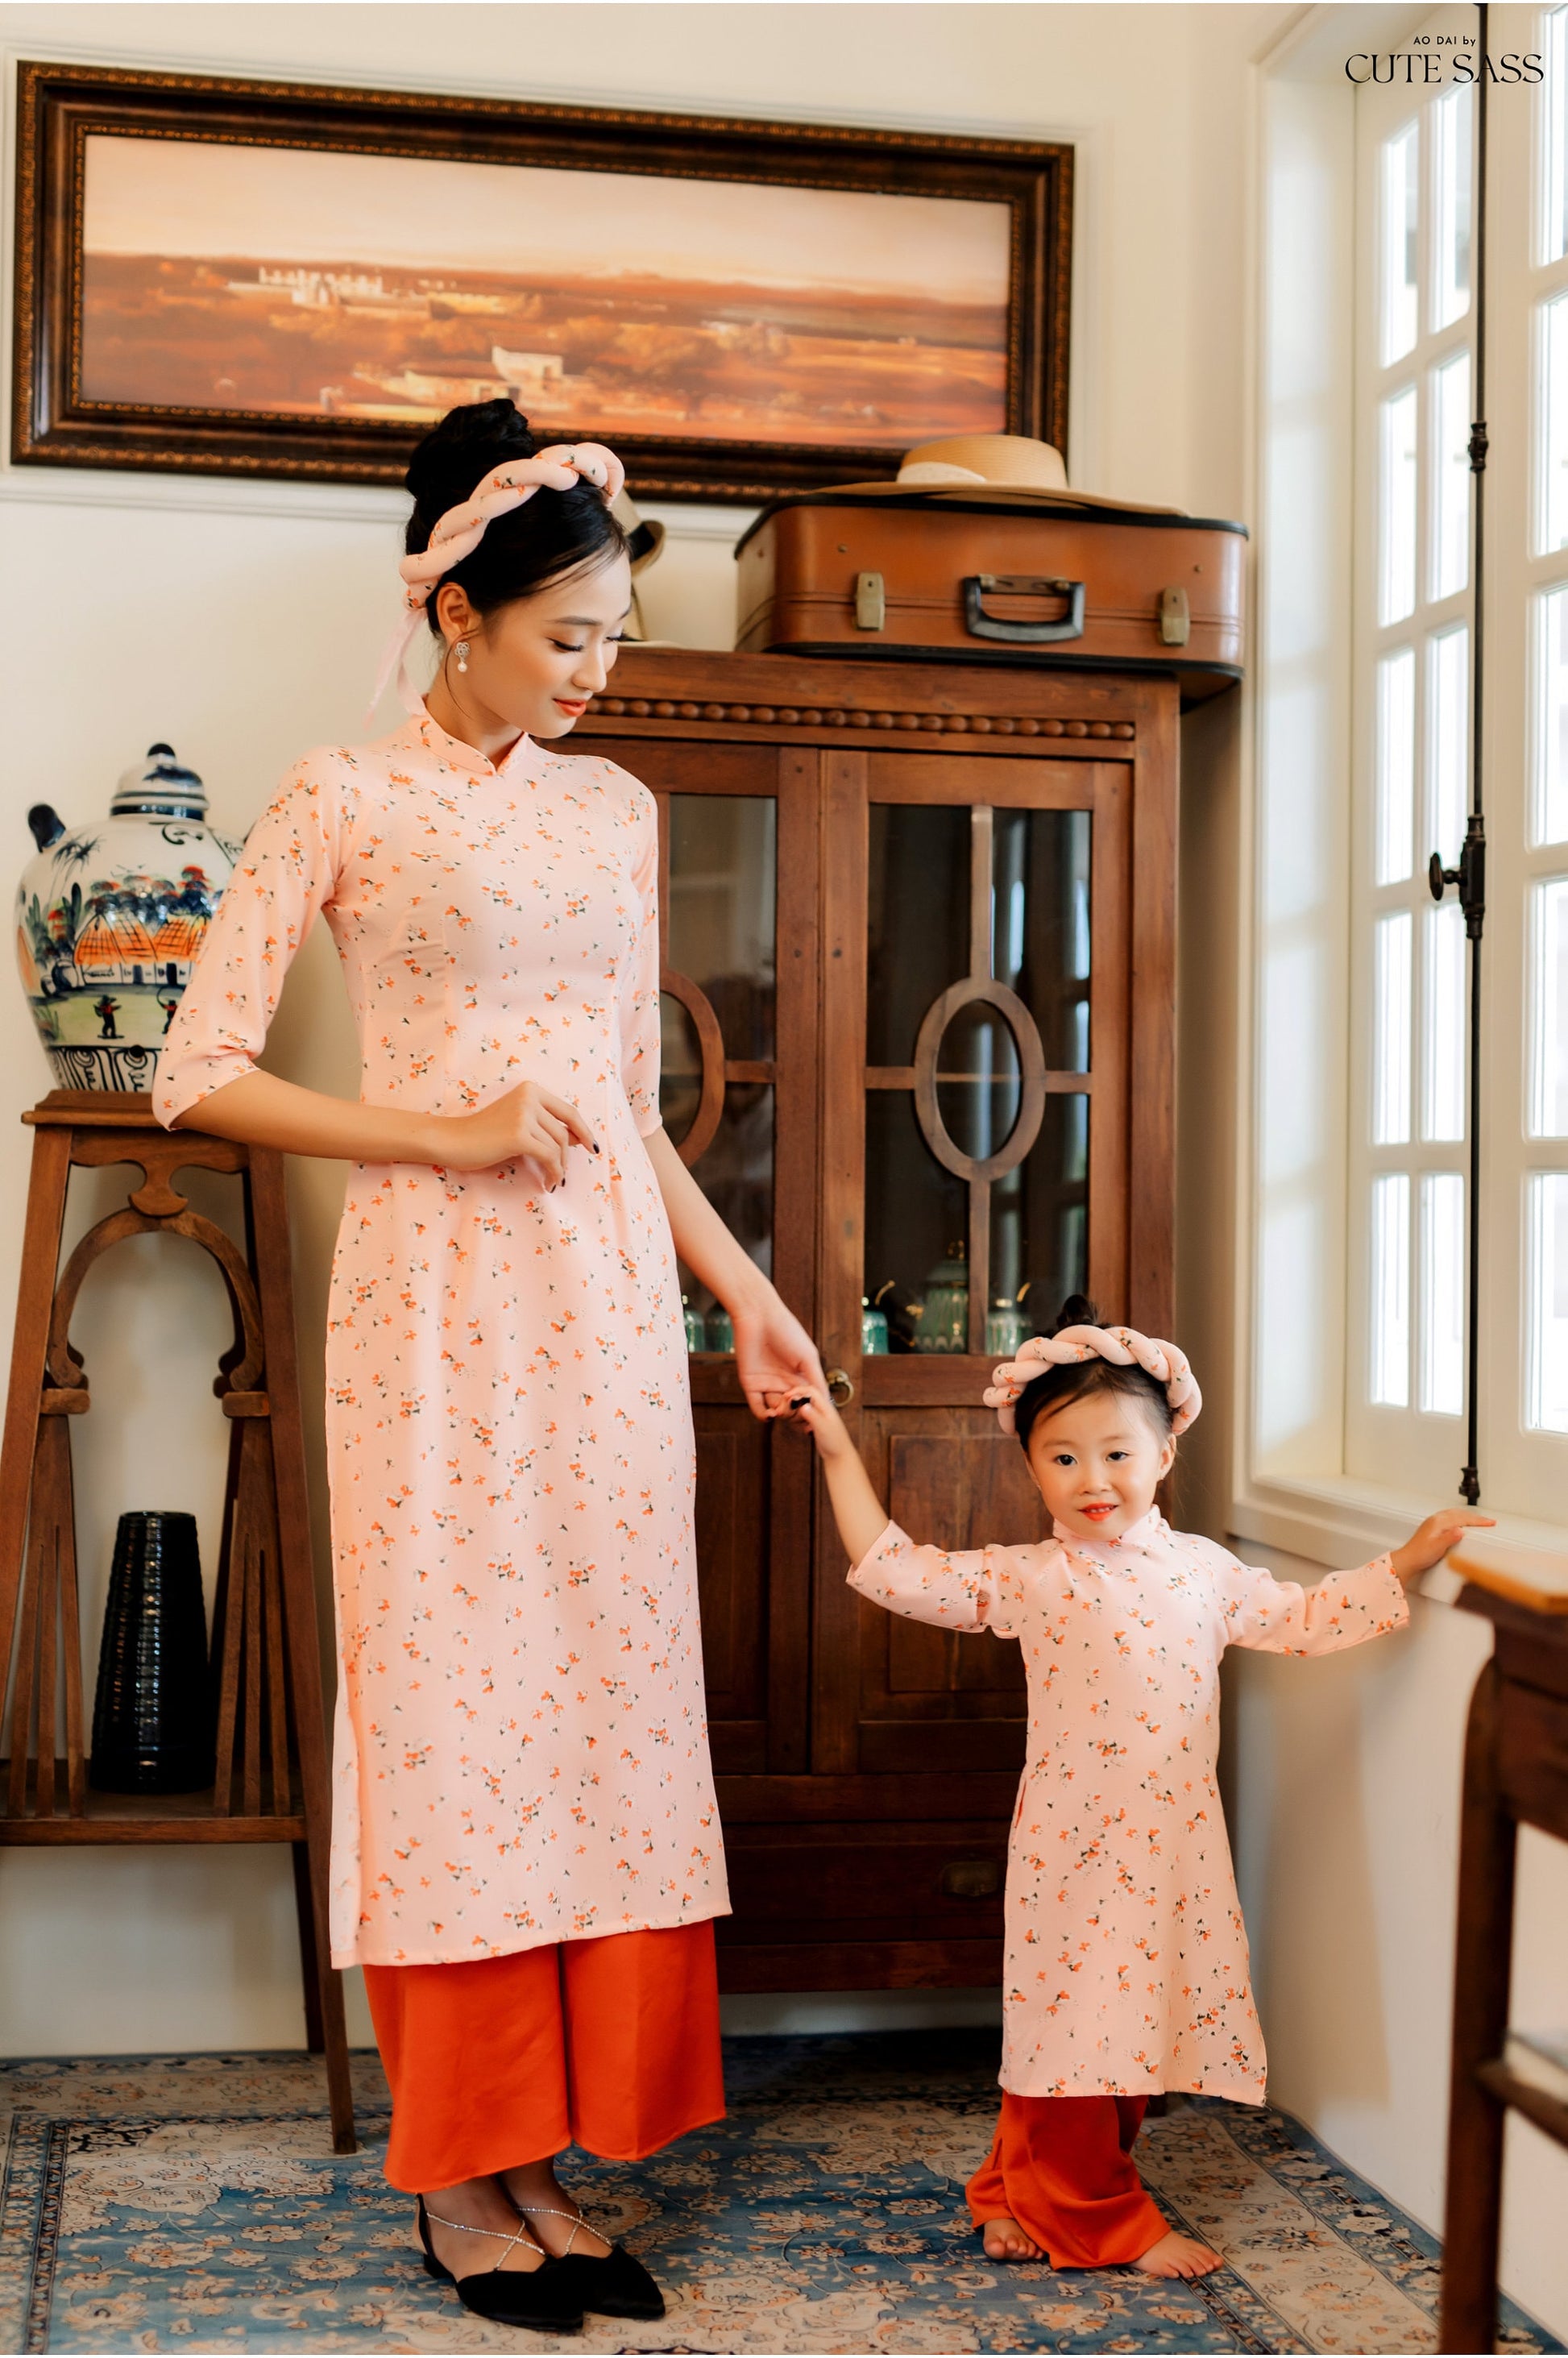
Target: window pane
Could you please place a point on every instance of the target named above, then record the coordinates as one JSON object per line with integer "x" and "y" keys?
{"x": 1396, "y": 764}
{"x": 1391, "y": 1290}
{"x": 1555, "y": 100}
{"x": 1401, "y": 197}
{"x": 1552, "y": 717}
{"x": 1396, "y": 586}
{"x": 1391, "y": 1030}
{"x": 1442, "y": 1266}
{"x": 1451, "y": 475}
{"x": 1553, "y": 429}
{"x": 1546, "y": 1390}
{"x": 1549, "y": 1010}
{"x": 1442, "y": 1090}
{"x": 1451, "y": 122}
{"x": 1447, "y": 741}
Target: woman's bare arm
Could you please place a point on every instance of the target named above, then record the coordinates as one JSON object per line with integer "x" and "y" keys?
{"x": 773, "y": 1353}
{"x": 529, "y": 1122}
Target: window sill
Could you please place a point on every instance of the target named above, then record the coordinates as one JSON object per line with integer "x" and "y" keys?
{"x": 1337, "y": 1522}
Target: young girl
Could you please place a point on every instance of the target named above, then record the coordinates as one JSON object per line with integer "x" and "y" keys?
{"x": 1126, "y": 1968}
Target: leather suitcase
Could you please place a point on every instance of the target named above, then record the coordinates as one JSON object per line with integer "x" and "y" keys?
{"x": 995, "y": 578}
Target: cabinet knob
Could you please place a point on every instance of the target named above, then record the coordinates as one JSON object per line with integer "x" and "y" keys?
{"x": 840, "y": 1388}
{"x": 971, "y": 1878}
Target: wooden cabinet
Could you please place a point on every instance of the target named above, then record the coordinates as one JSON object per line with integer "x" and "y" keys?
{"x": 919, "y": 1039}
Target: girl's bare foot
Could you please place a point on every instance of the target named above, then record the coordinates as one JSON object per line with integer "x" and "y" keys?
{"x": 1005, "y": 2240}
{"x": 1179, "y": 2255}
{"x": 541, "y": 2198}
{"x": 480, "y": 2206}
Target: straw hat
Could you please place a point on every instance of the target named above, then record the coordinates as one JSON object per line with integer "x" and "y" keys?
{"x": 996, "y": 470}
{"x": 1003, "y": 463}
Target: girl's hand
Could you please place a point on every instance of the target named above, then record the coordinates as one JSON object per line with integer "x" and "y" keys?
{"x": 812, "y": 1407}
{"x": 1431, "y": 1541}
{"x": 774, "y": 1357}
{"x": 527, "y": 1124}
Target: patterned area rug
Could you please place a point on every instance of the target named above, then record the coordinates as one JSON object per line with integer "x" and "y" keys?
{"x": 193, "y": 2204}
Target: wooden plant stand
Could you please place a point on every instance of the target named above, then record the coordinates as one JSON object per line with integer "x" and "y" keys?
{"x": 272, "y": 1784}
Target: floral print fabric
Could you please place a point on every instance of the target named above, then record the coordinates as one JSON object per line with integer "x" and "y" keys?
{"x": 520, "y": 1751}
{"x": 1127, "y": 1963}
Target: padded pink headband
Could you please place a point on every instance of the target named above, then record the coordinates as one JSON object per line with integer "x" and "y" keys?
{"x": 461, "y": 530}
{"x": 1122, "y": 1346}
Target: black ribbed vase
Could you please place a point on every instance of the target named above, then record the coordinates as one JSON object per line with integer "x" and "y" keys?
{"x": 152, "y": 1715}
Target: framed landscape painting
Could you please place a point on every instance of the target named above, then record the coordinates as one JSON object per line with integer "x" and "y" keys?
{"x": 241, "y": 276}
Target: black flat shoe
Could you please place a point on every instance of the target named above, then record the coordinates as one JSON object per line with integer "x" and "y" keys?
{"x": 614, "y": 2284}
{"x": 543, "y": 2299}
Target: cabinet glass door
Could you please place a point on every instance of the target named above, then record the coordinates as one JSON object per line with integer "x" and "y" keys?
{"x": 978, "y": 983}
{"x": 718, "y": 1008}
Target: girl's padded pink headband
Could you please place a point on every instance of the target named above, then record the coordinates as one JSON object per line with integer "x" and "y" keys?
{"x": 1123, "y": 1346}
{"x": 461, "y": 530}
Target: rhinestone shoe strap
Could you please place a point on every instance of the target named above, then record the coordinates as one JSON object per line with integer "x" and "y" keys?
{"x": 549, "y": 2210}
{"x": 510, "y": 2241}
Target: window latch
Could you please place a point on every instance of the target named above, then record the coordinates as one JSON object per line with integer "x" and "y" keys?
{"x": 1470, "y": 876}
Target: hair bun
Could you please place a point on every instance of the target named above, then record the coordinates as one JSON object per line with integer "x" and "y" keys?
{"x": 458, "y": 454}
{"x": 1077, "y": 1311}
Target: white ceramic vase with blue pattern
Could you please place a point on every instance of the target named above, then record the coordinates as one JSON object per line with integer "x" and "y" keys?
{"x": 110, "y": 917}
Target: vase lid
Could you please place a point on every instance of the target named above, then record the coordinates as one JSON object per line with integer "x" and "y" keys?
{"x": 161, "y": 788}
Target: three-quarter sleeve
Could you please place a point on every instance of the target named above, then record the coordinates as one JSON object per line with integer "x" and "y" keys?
{"x": 285, "y": 878}
{"x": 966, "y": 1589}
{"x": 640, "y": 986}
{"x": 1280, "y": 1617}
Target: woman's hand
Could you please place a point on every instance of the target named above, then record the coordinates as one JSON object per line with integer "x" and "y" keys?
{"x": 527, "y": 1124}
{"x": 773, "y": 1357}
{"x": 1431, "y": 1541}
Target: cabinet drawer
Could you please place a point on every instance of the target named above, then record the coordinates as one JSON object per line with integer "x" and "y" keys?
{"x": 796, "y": 1882}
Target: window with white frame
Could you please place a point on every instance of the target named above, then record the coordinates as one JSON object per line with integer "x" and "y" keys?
{"x": 1405, "y": 1251}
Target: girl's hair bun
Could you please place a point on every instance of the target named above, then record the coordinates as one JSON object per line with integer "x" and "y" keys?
{"x": 1077, "y": 1311}
{"x": 458, "y": 454}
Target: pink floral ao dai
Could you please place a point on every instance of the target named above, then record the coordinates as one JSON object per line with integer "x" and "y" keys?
{"x": 1127, "y": 1965}
{"x": 520, "y": 1748}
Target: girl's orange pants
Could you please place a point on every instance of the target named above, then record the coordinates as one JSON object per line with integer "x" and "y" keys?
{"x": 1061, "y": 2166}
{"x": 610, "y": 2044}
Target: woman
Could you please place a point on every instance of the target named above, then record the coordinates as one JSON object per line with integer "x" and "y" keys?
{"x": 526, "y": 1852}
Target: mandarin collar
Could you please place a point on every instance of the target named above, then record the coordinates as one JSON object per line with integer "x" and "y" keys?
{"x": 1144, "y": 1536}
{"x": 423, "y": 730}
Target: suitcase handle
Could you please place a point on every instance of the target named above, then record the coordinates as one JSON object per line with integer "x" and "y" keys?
{"x": 981, "y": 625}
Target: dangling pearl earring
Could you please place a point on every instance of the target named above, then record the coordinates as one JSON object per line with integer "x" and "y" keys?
{"x": 462, "y": 655}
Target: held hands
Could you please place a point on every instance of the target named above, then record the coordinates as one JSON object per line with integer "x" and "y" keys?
{"x": 1431, "y": 1541}
{"x": 527, "y": 1124}
{"x": 774, "y": 1357}
{"x": 810, "y": 1406}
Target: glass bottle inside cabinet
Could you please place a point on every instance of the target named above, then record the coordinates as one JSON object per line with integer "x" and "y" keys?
{"x": 977, "y": 1031}
{"x": 717, "y": 1021}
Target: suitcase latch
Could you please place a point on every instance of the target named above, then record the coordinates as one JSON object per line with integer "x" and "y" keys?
{"x": 981, "y": 625}
{"x": 871, "y": 603}
{"x": 1175, "y": 621}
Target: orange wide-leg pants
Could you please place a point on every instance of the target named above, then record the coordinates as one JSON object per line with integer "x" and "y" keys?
{"x": 610, "y": 2044}
{"x": 1061, "y": 2166}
